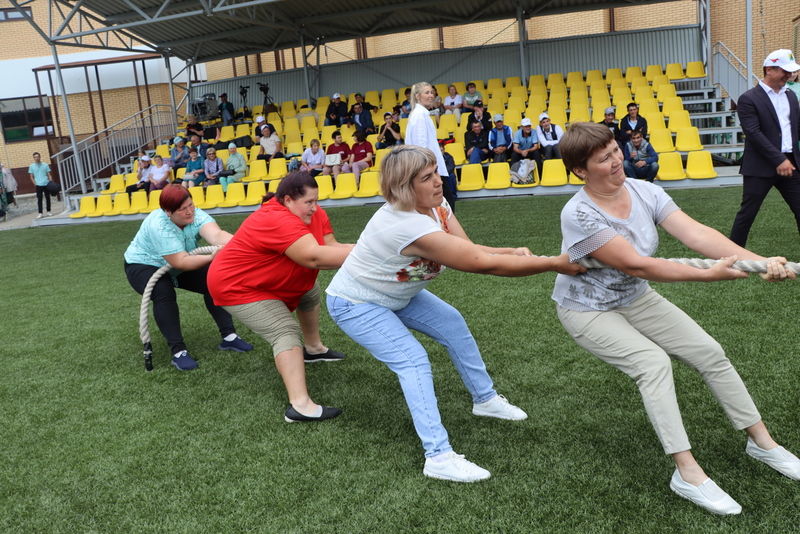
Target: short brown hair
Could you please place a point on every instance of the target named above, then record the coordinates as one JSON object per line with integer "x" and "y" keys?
{"x": 398, "y": 170}
{"x": 581, "y": 141}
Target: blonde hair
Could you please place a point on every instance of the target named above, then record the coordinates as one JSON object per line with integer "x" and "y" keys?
{"x": 398, "y": 170}
{"x": 416, "y": 89}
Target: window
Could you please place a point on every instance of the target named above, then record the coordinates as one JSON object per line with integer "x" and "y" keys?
{"x": 10, "y": 14}
{"x": 22, "y": 119}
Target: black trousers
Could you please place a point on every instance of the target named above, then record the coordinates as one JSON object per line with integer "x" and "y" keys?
{"x": 754, "y": 191}
{"x": 165, "y": 303}
{"x": 41, "y": 190}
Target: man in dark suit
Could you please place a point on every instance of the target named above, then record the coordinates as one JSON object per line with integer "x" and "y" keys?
{"x": 770, "y": 119}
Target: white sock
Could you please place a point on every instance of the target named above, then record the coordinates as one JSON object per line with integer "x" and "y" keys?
{"x": 230, "y": 337}
{"x": 177, "y": 354}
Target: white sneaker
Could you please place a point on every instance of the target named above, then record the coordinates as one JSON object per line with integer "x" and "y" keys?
{"x": 454, "y": 467}
{"x": 781, "y": 460}
{"x": 499, "y": 407}
{"x": 707, "y": 495}
{"x": 49, "y": 214}
{"x": 39, "y": 216}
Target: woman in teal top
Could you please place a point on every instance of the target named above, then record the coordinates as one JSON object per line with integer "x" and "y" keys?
{"x": 167, "y": 236}
{"x": 235, "y": 163}
{"x": 194, "y": 170}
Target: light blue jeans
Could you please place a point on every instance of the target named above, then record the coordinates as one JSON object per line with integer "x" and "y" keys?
{"x": 385, "y": 334}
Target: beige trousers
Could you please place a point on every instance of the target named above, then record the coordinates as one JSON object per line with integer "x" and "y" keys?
{"x": 639, "y": 340}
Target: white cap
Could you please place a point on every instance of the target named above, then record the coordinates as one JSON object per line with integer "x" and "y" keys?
{"x": 260, "y": 118}
{"x": 145, "y": 158}
{"x": 336, "y": 95}
{"x": 498, "y": 118}
{"x": 543, "y": 116}
{"x": 525, "y": 122}
{"x": 782, "y": 58}
{"x": 610, "y": 110}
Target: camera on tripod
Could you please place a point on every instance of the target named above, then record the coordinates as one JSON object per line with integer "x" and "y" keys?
{"x": 243, "y": 91}
{"x": 264, "y": 88}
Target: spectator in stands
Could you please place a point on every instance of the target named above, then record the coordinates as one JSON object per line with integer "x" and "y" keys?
{"x": 479, "y": 114}
{"x": 793, "y": 84}
{"x": 500, "y": 140}
{"x": 40, "y": 176}
{"x": 212, "y": 166}
{"x": 526, "y": 143}
{"x": 641, "y": 160}
{"x": 9, "y": 184}
{"x": 166, "y": 237}
{"x": 362, "y": 119}
{"x": 235, "y": 163}
{"x": 159, "y": 173}
{"x": 405, "y": 106}
{"x": 336, "y": 115}
{"x": 193, "y": 127}
{"x": 179, "y": 154}
{"x": 632, "y": 122}
{"x": 421, "y": 132}
{"x": 194, "y": 169}
{"x": 471, "y": 99}
{"x": 338, "y": 147}
{"x": 269, "y": 270}
{"x": 452, "y": 103}
{"x": 437, "y": 108}
{"x": 201, "y": 146}
{"x": 549, "y": 135}
{"x": 313, "y": 159}
{"x": 388, "y": 132}
{"x": 476, "y": 143}
{"x": 271, "y": 146}
{"x": 226, "y": 111}
{"x": 360, "y": 158}
{"x": 142, "y": 176}
{"x": 364, "y": 104}
{"x": 260, "y": 123}
{"x": 610, "y": 122}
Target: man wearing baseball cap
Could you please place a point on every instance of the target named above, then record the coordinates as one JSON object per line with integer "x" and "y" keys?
{"x": 610, "y": 121}
{"x": 770, "y": 119}
{"x": 336, "y": 114}
{"x": 526, "y": 143}
{"x": 500, "y": 140}
{"x": 549, "y": 135}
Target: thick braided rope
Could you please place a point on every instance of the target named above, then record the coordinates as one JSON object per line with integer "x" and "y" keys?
{"x": 144, "y": 329}
{"x": 748, "y": 266}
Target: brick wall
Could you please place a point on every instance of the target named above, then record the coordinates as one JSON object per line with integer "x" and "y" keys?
{"x": 656, "y": 15}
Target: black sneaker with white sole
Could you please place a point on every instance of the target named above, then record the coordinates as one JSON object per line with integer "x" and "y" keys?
{"x": 328, "y": 356}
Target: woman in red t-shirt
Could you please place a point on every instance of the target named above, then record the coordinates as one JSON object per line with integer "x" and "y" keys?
{"x": 338, "y": 147}
{"x": 360, "y": 156}
{"x": 268, "y": 269}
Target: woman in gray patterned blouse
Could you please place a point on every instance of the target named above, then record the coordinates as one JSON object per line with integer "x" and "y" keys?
{"x": 614, "y": 314}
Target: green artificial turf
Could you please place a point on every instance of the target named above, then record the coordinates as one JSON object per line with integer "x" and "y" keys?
{"x": 90, "y": 442}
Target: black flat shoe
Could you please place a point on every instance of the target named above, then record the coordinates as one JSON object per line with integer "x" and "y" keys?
{"x": 329, "y": 356}
{"x": 293, "y": 416}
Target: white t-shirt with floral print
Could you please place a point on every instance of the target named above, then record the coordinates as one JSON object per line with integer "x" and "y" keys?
{"x": 377, "y": 272}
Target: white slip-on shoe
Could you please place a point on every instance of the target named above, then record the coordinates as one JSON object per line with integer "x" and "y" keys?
{"x": 499, "y": 407}
{"x": 778, "y": 458}
{"x": 454, "y": 467}
{"x": 707, "y": 495}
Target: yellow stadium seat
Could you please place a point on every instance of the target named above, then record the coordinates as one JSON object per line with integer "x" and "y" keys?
{"x": 621, "y": 98}
{"x": 242, "y": 130}
{"x": 557, "y": 99}
{"x": 593, "y": 76}
{"x": 308, "y": 123}
{"x": 277, "y": 169}
{"x": 671, "y": 104}
{"x": 679, "y": 119}
{"x": 558, "y": 115}
{"x": 388, "y": 97}
{"x": 479, "y": 86}
{"x": 258, "y": 171}
{"x": 658, "y": 81}
{"x": 536, "y": 80}
{"x": 255, "y": 192}
{"x": 296, "y": 148}
{"x": 574, "y": 77}
{"x": 291, "y": 124}
{"x": 258, "y": 110}
{"x": 130, "y": 179}
{"x": 325, "y": 184}
{"x": 670, "y": 166}
{"x": 254, "y": 152}
{"x": 579, "y": 96}
{"x": 379, "y": 155}
{"x": 152, "y": 202}
{"x": 104, "y": 205}
{"x": 227, "y": 133}
{"x": 180, "y": 173}
{"x": 553, "y": 173}
{"x": 448, "y": 123}
{"x": 471, "y": 177}
{"x": 695, "y": 69}
{"x": 122, "y": 201}
{"x": 661, "y": 140}
{"x": 457, "y": 151}
{"x": 632, "y": 73}
{"x": 665, "y": 91}
{"x": 641, "y": 92}
{"x": 214, "y": 196}
{"x": 655, "y": 121}
{"x": 198, "y": 194}
{"x": 652, "y": 71}
{"x": 647, "y": 106}
{"x": 498, "y": 177}
{"x": 688, "y": 139}
{"x": 87, "y": 206}
{"x": 272, "y": 186}
{"x": 518, "y": 92}
{"x": 573, "y": 179}
{"x": 699, "y": 165}
{"x": 555, "y": 79}
{"x": 138, "y": 202}
{"x": 163, "y": 151}
{"x": 369, "y": 185}
{"x": 234, "y": 196}
{"x": 292, "y": 137}
{"x": 492, "y": 85}
{"x": 374, "y": 98}
{"x": 513, "y": 81}
{"x": 613, "y": 74}
{"x": 345, "y": 186}
{"x": 115, "y": 185}
{"x": 578, "y": 113}
{"x": 674, "y": 71}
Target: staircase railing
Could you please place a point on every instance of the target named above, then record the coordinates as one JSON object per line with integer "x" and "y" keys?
{"x": 729, "y": 71}
{"x": 111, "y": 146}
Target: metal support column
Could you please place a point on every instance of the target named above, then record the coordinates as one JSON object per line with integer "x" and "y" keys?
{"x": 73, "y": 140}
{"x": 189, "y": 73}
{"x": 748, "y": 6}
{"x": 319, "y": 71}
{"x": 523, "y": 37}
{"x": 174, "y": 114}
{"x": 305, "y": 68}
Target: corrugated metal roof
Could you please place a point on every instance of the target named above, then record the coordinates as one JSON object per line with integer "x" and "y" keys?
{"x": 218, "y": 29}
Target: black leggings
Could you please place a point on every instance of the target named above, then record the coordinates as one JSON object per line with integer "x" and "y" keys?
{"x": 41, "y": 190}
{"x": 165, "y": 304}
